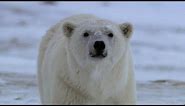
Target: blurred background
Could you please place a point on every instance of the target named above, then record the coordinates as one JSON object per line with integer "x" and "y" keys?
{"x": 158, "y": 45}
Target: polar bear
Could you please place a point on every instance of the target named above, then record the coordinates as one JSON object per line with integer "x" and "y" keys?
{"x": 86, "y": 60}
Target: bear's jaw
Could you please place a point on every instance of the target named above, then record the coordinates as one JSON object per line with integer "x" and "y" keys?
{"x": 98, "y": 55}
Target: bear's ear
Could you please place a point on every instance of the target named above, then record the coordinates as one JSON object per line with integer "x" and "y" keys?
{"x": 126, "y": 29}
{"x": 68, "y": 29}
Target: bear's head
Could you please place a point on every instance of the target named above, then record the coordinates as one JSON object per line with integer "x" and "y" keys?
{"x": 92, "y": 42}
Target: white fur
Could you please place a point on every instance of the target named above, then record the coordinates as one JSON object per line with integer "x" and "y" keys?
{"x": 67, "y": 75}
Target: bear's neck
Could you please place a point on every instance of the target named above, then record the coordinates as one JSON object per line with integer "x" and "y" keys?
{"x": 99, "y": 81}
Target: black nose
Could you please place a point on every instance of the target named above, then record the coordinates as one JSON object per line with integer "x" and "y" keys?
{"x": 99, "y": 45}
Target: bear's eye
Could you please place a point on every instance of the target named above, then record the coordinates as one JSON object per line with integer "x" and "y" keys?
{"x": 110, "y": 35}
{"x": 86, "y": 34}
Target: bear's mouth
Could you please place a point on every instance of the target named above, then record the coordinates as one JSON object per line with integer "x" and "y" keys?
{"x": 98, "y": 54}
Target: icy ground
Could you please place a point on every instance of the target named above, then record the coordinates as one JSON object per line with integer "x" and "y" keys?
{"x": 157, "y": 44}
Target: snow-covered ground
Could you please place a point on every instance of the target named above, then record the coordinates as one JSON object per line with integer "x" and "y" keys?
{"x": 157, "y": 43}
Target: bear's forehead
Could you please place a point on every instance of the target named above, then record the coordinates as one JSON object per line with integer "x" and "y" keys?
{"x": 97, "y": 22}
{"x": 98, "y": 28}
{"x": 102, "y": 25}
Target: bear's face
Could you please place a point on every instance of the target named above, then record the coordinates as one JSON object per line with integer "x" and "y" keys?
{"x": 93, "y": 42}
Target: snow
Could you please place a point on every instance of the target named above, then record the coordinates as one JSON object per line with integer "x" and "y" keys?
{"x": 12, "y": 64}
{"x": 157, "y": 45}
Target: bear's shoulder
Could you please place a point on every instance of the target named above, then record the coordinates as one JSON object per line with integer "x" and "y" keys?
{"x": 79, "y": 18}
